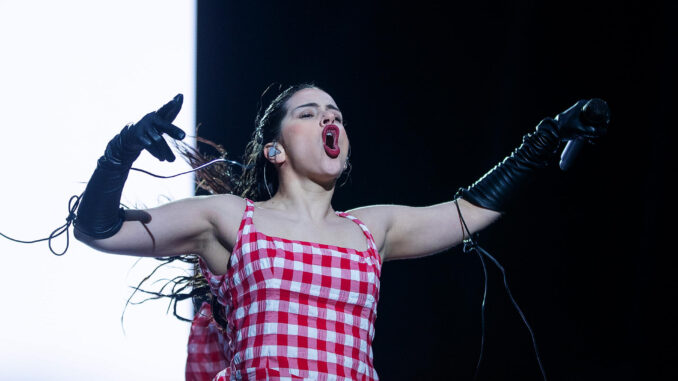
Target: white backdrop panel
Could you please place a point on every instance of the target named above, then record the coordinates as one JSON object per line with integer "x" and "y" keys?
{"x": 72, "y": 74}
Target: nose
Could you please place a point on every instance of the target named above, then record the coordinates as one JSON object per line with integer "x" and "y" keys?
{"x": 327, "y": 118}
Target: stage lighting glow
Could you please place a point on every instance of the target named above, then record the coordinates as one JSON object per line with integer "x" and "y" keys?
{"x": 72, "y": 74}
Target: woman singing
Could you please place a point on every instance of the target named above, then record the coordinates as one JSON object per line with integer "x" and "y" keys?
{"x": 297, "y": 283}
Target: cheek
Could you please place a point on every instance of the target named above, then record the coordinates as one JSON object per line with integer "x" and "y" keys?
{"x": 345, "y": 142}
{"x": 297, "y": 138}
{"x": 292, "y": 129}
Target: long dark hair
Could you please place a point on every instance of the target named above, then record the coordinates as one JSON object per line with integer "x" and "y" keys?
{"x": 260, "y": 173}
{"x": 258, "y": 179}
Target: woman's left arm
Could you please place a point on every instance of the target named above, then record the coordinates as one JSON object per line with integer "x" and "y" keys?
{"x": 409, "y": 232}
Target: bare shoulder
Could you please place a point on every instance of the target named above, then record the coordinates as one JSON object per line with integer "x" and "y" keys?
{"x": 225, "y": 213}
{"x": 377, "y": 219}
{"x": 225, "y": 203}
{"x": 373, "y": 213}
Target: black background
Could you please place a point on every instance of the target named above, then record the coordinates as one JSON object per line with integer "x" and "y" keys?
{"x": 436, "y": 93}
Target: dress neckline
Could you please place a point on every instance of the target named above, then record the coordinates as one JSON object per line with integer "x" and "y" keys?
{"x": 309, "y": 243}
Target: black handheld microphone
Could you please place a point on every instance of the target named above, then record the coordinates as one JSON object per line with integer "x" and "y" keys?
{"x": 595, "y": 112}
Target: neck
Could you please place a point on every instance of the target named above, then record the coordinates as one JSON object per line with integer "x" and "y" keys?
{"x": 308, "y": 200}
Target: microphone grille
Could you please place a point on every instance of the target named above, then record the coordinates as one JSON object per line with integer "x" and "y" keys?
{"x": 596, "y": 111}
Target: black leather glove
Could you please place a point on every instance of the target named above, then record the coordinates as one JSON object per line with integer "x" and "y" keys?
{"x": 495, "y": 188}
{"x": 99, "y": 214}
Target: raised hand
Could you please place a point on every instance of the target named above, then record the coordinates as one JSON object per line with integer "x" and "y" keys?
{"x": 588, "y": 125}
{"x": 147, "y": 134}
{"x": 99, "y": 214}
{"x": 494, "y": 189}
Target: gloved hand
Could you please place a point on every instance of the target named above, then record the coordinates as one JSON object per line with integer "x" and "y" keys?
{"x": 99, "y": 214}
{"x": 572, "y": 125}
{"x": 125, "y": 147}
{"x": 494, "y": 189}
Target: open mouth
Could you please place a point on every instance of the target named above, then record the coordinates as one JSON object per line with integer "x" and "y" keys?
{"x": 331, "y": 140}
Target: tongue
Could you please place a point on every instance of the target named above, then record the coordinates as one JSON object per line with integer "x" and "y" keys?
{"x": 330, "y": 151}
{"x": 333, "y": 149}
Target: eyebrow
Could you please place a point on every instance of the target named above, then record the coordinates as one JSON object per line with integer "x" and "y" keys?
{"x": 329, "y": 106}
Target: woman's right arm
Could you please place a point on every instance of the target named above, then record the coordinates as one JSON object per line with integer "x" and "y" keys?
{"x": 182, "y": 227}
{"x": 203, "y": 225}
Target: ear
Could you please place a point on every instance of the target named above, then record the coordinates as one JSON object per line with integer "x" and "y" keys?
{"x": 275, "y": 153}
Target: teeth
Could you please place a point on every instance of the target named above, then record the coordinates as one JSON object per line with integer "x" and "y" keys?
{"x": 331, "y": 135}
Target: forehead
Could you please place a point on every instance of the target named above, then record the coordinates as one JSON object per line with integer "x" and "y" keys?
{"x": 310, "y": 95}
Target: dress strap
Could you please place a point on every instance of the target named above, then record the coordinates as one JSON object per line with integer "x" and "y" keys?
{"x": 244, "y": 229}
{"x": 246, "y": 222}
{"x": 370, "y": 240}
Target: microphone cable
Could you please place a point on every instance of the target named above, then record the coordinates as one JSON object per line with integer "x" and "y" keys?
{"x": 72, "y": 207}
{"x": 470, "y": 244}
{"x": 74, "y": 201}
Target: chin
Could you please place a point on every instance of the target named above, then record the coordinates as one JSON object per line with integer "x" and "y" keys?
{"x": 335, "y": 169}
{"x": 329, "y": 177}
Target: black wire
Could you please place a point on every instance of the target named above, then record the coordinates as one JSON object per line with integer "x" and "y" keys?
{"x": 73, "y": 207}
{"x": 194, "y": 169}
{"x": 482, "y": 318}
{"x": 470, "y": 244}
{"x": 515, "y": 304}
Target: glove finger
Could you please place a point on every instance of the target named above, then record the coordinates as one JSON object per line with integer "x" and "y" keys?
{"x": 160, "y": 145}
{"x": 588, "y": 131}
{"x": 166, "y": 150}
{"x": 577, "y": 107}
{"x": 144, "y": 141}
{"x": 157, "y": 146}
{"x": 572, "y": 112}
{"x": 161, "y": 151}
{"x": 171, "y": 130}
{"x": 594, "y": 132}
{"x": 171, "y": 109}
{"x": 157, "y": 153}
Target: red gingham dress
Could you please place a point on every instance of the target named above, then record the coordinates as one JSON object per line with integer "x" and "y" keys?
{"x": 295, "y": 310}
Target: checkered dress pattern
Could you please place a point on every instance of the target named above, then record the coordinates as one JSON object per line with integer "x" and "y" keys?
{"x": 295, "y": 310}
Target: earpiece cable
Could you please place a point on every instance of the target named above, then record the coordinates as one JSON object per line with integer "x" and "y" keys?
{"x": 470, "y": 244}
